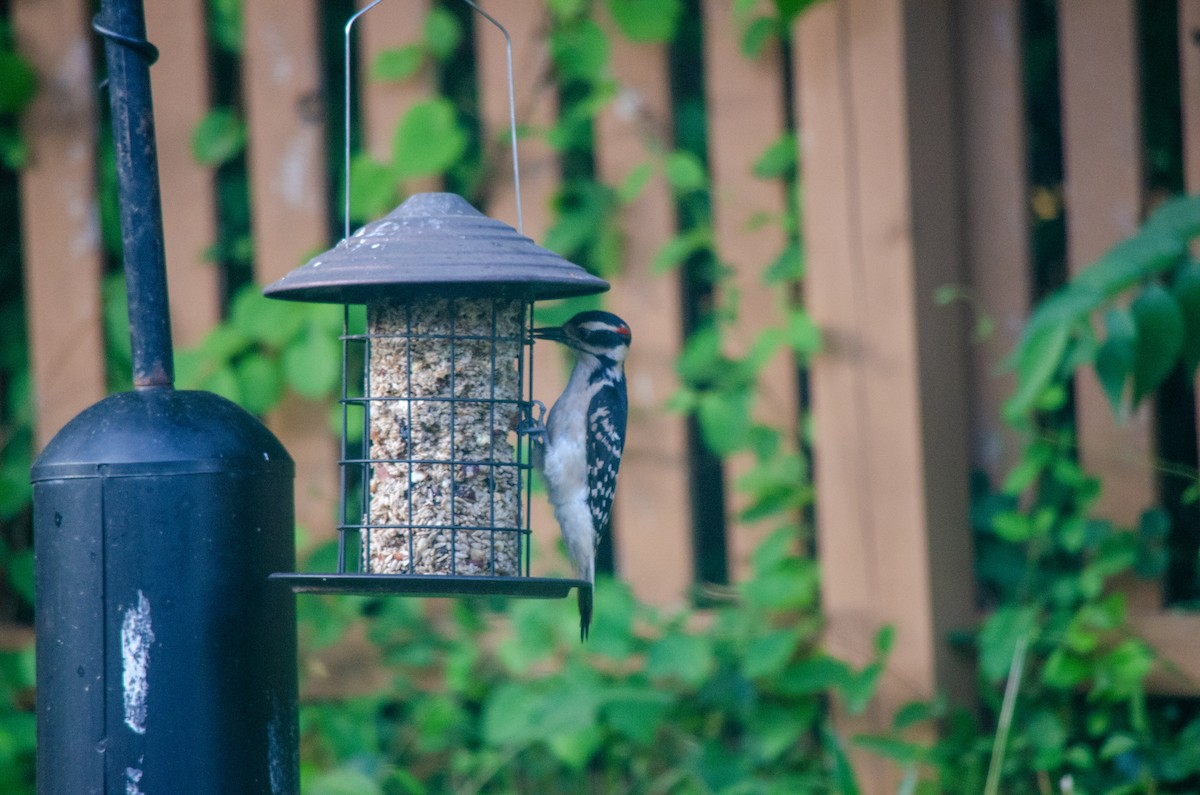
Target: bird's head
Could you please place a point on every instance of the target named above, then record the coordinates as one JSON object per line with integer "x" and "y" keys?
{"x": 595, "y": 332}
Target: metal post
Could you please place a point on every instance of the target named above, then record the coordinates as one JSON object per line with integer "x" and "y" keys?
{"x": 166, "y": 659}
{"x": 122, "y": 23}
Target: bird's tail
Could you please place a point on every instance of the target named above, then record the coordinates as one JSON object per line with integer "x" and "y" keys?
{"x": 585, "y": 610}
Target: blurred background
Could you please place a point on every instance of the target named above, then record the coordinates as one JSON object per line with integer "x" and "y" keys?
{"x": 844, "y": 522}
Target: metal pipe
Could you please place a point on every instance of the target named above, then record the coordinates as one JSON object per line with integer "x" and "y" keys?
{"x": 122, "y": 23}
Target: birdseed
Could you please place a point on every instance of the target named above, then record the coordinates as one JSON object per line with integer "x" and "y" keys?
{"x": 445, "y": 389}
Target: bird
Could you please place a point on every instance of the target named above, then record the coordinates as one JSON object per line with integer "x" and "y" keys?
{"x": 584, "y": 438}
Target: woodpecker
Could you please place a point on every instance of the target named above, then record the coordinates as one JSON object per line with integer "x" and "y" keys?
{"x": 585, "y": 435}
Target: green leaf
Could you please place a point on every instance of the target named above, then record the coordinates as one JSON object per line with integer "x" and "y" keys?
{"x": 1036, "y": 367}
{"x": 219, "y": 137}
{"x": 802, "y": 334}
{"x": 999, "y": 637}
{"x": 14, "y": 152}
{"x": 1159, "y": 325}
{"x": 18, "y": 82}
{"x": 678, "y": 249}
{"x": 428, "y": 140}
{"x": 757, "y": 35}
{"x": 1116, "y": 745}
{"x": 373, "y": 188}
{"x": 342, "y": 782}
{"x": 813, "y": 676}
{"x": 646, "y": 20}
{"x": 580, "y": 52}
{"x": 1115, "y": 358}
{"x": 20, "y": 573}
{"x": 767, "y": 655}
{"x": 685, "y": 171}
{"x": 1178, "y": 217}
{"x": 1186, "y": 290}
{"x": 225, "y": 24}
{"x": 398, "y": 64}
{"x": 787, "y": 267}
{"x": 725, "y": 420}
{"x": 1133, "y": 260}
{"x": 313, "y": 363}
{"x": 260, "y": 384}
{"x": 635, "y": 182}
{"x": 890, "y": 747}
{"x": 255, "y": 317}
{"x": 442, "y": 33}
{"x": 688, "y": 658}
{"x": 637, "y": 714}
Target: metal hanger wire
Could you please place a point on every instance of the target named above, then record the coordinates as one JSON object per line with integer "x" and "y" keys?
{"x": 512, "y": 110}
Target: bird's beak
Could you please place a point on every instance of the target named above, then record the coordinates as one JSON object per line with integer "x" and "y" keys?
{"x": 552, "y": 333}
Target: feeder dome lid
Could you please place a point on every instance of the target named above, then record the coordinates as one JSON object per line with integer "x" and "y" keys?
{"x": 434, "y": 242}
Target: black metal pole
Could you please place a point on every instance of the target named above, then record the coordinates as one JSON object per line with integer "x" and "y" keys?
{"x": 122, "y": 23}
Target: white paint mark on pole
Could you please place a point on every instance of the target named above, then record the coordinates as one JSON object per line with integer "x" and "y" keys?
{"x": 132, "y": 776}
{"x": 136, "y": 637}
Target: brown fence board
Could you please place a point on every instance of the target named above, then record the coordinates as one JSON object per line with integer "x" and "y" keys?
{"x": 281, "y": 79}
{"x": 652, "y": 515}
{"x": 59, "y": 226}
{"x": 881, "y": 229}
{"x": 745, "y": 115}
{"x": 537, "y": 107}
{"x": 387, "y": 26}
{"x": 180, "y": 86}
{"x": 1103, "y": 195}
{"x": 996, "y": 245}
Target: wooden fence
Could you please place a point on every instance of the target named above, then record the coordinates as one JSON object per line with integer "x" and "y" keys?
{"x": 913, "y": 139}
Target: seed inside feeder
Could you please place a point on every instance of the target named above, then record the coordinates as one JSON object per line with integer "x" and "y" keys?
{"x": 444, "y": 392}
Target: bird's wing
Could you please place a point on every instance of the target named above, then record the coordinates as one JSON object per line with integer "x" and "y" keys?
{"x": 605, "y": 442}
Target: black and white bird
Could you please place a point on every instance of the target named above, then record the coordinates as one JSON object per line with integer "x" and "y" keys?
{"x": 585, "y": 435}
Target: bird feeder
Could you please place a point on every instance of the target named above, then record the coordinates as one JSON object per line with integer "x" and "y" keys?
{"x": 437, "y": 414}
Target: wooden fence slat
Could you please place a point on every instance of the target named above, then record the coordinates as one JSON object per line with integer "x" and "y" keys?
{"x": 881, "y": 226}
{"x": 745, "y": 115}
{"x": 180, "y": 86}
{"x": 653, "y": 515}
{"x": 60, "y": 228}
{"x": 1102, "y": 161}
{"x": 385, "y": 27}
{"x": 281, "y": 79}
{"x": 996, "y": 245}
{"x": 1176, "y": 636}
{"x": 537, "y": 106}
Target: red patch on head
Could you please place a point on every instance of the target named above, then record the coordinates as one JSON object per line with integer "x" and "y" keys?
{"x": 623, "y": 330}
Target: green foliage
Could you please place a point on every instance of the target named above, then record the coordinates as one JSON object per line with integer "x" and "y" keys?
{"x": 18, "y": 85}
{"x": 1059, "y": 335}
{"x": 728, "y": 700}
{"x": 219, "y": 137}
{"x": 264, "y": 347}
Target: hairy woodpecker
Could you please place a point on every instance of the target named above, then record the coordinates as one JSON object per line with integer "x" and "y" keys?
{"x": 585, "y": 435}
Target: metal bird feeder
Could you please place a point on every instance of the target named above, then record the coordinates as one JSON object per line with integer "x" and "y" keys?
{"x": 436, "y": 410}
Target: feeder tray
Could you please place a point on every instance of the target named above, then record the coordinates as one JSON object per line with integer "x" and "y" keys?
{"x": 435, "y": 498}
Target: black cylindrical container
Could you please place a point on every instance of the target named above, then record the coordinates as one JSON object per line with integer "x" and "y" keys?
{"x": 166, "y": 658}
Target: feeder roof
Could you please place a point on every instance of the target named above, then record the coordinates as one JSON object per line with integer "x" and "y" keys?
{"x": 434, "y": 242}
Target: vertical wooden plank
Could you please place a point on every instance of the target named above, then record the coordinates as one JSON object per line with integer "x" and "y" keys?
{"x": 281, "y": 79}
{"x": 881, "y": 226}
{"x": 1101, "y": 117}
{"x": 996, "y": 245}
{"x": 744, "y": 98}
{"x": 59, "y": 225}
{"x": 1189, "y": 65}
{"x": 180, "y": 84}
{"x": 537, "y": 106}
{"x": 654, "y": 552}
